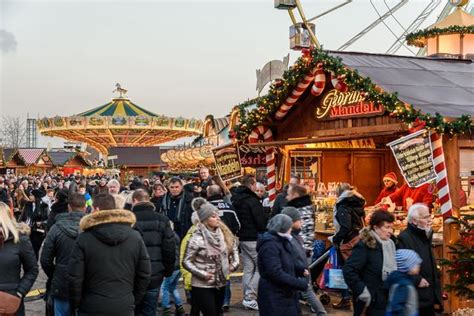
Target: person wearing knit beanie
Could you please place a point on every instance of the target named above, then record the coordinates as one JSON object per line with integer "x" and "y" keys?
{"x": 203, "y": 209}
{"x": 408, "y": 261}
{"x": 403, "y": 294}
{"x": 280, "y": 224}
{"x": 292, "y": 212}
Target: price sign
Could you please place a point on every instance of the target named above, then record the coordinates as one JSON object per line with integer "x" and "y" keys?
{"x": 227, "y": 161}
{"x": 414, "y": 156}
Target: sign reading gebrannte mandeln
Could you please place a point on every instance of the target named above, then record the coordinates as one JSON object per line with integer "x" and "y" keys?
{"x": 414, "y": 156}
{"x": 336, "y": 104}
{"x": 227, "y": 161}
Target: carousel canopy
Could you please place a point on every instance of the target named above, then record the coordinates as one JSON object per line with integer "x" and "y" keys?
{"x": 119, "y": 123}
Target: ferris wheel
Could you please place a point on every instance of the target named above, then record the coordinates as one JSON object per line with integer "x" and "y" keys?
{"x": 302, "y": 30}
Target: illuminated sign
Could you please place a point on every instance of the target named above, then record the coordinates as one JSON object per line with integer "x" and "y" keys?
{"x": 337, "y": 104}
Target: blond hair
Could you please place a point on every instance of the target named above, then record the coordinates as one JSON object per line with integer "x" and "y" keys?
{"x": 7, "y": 223}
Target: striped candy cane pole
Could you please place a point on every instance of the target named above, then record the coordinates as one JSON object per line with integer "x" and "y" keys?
{"x": 267, "y": 135}
{"x": 337, "y": 83}
{"x": 442, "y": 176}
{"x": 294, "y": 96}
{"x": 319, "y": 82}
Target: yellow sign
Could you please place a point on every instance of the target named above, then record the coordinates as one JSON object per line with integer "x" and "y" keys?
{"x": 341, "y": 104}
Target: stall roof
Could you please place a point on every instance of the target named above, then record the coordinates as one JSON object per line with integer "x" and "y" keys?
{"x": 59, "y": 158}
{"x": 445, "y": 86}
{"x": 137, "y": 156}
{"x": 30, "y": 155}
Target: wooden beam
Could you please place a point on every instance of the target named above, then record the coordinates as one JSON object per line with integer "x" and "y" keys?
{"x": 450, "y": 230}
{"x": 466, "y": 143}
{"x": 112, "y": 139}
{"x": 367, "y": 131}
{"x": 313, "y": 140}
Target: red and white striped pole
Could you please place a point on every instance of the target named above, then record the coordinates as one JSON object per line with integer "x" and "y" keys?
{"x": 442, "y": 175}
{"x": 294, "y": 95}
{"x": 266, "y": 133}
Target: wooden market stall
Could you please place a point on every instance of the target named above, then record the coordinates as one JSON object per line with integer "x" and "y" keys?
{"x": 67, "y": 163}
{"x": 330, "y": 120}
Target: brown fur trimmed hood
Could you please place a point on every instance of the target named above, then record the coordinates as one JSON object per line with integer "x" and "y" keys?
{"x": 109, "y": 216}
{"x": 367, "y": 238}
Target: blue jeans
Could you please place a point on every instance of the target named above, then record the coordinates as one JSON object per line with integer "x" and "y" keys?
{"x": 169, "y": 286}
{"x": 148, "y": 305}
{"x": 61, "y": 307}
{"x": 227, "y": 293}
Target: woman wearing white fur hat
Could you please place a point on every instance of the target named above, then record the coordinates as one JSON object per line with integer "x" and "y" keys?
{"x": 211, "y": 255}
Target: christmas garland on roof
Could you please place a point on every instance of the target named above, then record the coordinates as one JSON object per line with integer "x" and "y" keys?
{"x": 279, "y": 90}
{"x": 417, "y": 38}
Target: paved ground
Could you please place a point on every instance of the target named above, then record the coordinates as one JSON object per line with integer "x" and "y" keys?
{"x": 36, "y": 308}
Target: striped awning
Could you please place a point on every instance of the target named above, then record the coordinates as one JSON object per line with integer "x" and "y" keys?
{"x": 30, "y": 155}
{"x": 118, "y": 107}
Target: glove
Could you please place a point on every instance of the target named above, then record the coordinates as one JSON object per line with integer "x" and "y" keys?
{"x": 365, "y": 296}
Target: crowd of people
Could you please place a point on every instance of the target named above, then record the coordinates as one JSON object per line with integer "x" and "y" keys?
{"x": 111, "y": 248}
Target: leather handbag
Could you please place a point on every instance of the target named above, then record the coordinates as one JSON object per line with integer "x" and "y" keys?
{"x": 9, "y": 304}
{"x": 346, "y": 249}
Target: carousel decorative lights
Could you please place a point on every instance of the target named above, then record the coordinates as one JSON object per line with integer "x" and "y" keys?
{"x": 119, "y": 123}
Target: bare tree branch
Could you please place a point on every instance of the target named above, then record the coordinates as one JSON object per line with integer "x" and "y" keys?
{"x": 12, "y": 132}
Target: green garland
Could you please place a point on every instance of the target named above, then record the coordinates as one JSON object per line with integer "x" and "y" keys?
{"x": 280, "y": 89}
{"x": 417, "y": 38}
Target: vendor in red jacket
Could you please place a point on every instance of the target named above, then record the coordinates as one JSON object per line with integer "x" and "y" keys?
{"x": 390, "y": 186}
{"x": 406, "y": 196}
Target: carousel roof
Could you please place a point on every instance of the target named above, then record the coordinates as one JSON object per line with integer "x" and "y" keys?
{"x": 119, "y": 123}
{"x": 118, "y": 107}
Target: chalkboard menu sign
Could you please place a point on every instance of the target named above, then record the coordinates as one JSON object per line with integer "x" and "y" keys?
{"x": 414, "y": 156}
{"x": 227, "y": 161}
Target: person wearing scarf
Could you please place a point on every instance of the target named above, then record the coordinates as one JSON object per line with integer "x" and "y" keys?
{"x": 372, "y": 260}
{"x": 211, "y": 255}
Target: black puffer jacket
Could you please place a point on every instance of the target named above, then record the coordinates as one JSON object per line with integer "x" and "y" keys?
{"x": 57, "y": 249}
{"x": 416, "y": 239}
{"x": 349, "y": 215}
{"x": 159, "y": 241}
{"x": 109, "y": 268}
{"x": 13, "y": 258}
{"x": 250, "y": 213}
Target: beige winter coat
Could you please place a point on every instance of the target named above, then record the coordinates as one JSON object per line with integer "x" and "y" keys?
{"x": 197, "y": 260}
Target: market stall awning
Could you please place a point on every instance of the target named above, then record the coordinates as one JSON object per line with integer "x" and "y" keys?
{"x": 445, "y": 86}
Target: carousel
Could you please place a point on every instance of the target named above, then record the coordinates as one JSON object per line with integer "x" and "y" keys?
{"x": 119, "y": 123}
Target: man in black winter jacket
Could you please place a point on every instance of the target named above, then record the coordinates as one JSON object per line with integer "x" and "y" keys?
{"x": 253, "y": 221}
{"x": 109, "y": 268}
{"x": 226, "y": 210}
{"x": 160, "y": 244}
{"x": 57, "y": 250}
{"x": 418, "y": 236}
{"x": 177, "y": 206}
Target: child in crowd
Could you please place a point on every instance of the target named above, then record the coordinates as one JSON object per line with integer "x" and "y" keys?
{"x": 403, "y": 298}
{"x": 170, "y": 285}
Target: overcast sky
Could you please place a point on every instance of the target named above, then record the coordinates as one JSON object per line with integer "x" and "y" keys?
{"x": 177, "y": 58}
